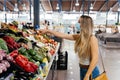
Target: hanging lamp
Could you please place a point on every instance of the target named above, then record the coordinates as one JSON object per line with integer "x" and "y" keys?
{"x": 57, "y": 7}
{"x": 76, "y": 4}
{"x": 91, "y": 6}
{"x": 16, "y": 8}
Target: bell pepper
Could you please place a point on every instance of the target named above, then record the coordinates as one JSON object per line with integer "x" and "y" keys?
{"x": 12, "y": 45}
{"x": 14, "y": 53}
{"x": 3, "y": 45}
{"x": 33, "y": 65}
{"x": 29, "y": 68}
{"x": 21, "y": 60}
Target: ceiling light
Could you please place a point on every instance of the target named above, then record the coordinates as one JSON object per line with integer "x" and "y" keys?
{"x": 76, "y": 4}
{"x": 91, "y": 6}
{"x": 74, "y": 9}
{"x": 119, "y": 7}
{"x": 57, "y": 6}
{"x": 24, "y": 7}
{"x": 16, "y": 8}
{"x": 3, "y": 8}
{"x": 111, "y": 9}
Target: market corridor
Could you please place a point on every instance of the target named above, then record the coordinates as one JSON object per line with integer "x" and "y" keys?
{"x": 111, "y": 59}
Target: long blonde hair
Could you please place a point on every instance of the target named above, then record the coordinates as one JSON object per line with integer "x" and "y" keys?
{"x": 82, "y": 43}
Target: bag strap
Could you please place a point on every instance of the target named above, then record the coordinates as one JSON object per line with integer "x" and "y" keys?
{"x": 90, "y": 78}
{"x": 102, "y": 60}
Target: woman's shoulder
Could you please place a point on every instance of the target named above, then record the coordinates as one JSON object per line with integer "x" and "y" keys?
{"x": 93, "y": 38}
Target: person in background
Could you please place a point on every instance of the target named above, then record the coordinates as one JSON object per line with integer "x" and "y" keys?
{"x": 86, "y": 47}
{"x": 45, "y": 24}
{"x": 73, "y": 29}
{"x": 69, "y": 30}
{"x": 77, "y": 27}
{"x": 115, "y": 30}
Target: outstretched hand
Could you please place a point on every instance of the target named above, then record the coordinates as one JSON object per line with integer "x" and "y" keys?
{"x": 43, "y": 31}
{"x": 86, "y": 78}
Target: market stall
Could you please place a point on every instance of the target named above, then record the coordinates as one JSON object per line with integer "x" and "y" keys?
{"x": 25, "y": 54}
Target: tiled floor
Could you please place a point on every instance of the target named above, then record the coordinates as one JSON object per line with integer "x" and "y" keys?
{"x": 110, "y": 56}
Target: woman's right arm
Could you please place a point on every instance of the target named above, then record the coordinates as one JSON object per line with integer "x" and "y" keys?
{"x": 58, "y": 34}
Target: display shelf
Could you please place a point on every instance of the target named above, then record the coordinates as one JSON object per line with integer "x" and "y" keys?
{"x": 52, "y": 50}
{"x": 52, "y": 59}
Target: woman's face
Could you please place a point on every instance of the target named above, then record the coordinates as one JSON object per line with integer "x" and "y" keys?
{"x": 79, "y": 20}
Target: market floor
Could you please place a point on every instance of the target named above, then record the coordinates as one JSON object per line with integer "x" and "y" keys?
{"x": 110, "y": 56}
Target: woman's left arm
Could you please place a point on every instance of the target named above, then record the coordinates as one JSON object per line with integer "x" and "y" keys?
{"x": 94, "y": 56}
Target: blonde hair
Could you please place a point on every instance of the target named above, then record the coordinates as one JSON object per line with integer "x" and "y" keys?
{"x": 82, "y": 43}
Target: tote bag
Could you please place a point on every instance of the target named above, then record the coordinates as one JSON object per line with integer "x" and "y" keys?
{"x": 103, "y": 75}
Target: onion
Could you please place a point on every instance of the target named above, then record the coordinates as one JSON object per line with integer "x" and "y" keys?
{"x": 1, "y": 57}
{"x": 9, "y": 58}
{"x": 3, "y": 67}
{"x": 0, "y": 70}
{"x": 2, "y": 53}
{"x": 7, "y": 64}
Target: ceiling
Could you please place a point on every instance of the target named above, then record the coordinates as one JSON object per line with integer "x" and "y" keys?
{"x": 10, "y": 4}
{"x": 65, "y": 5}
{"x": 69, "y": 5}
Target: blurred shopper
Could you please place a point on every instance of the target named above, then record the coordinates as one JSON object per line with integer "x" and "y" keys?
{"x": 115, "y": 30}
{"x": 77, "y": 27}
{"x": 69, "y": 30}
{"x": 45, "y": 24}
{"x": 86, "y": 46}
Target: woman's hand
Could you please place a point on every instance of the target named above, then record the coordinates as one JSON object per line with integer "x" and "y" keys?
{"x": 43, "y": 31}
{"x": 86, "y": 78}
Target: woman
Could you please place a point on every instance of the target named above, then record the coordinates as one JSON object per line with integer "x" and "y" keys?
{"x": 86, "y": 46}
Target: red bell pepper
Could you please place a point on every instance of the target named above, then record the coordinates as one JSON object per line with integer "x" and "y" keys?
{"x": 33, "y": 65}
{"x": 21, "y": 60}
{"x": 14, "y": 53}
{"x": 29, "y": 68}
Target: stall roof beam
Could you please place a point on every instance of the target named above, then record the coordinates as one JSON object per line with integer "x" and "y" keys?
{"x": 10, "y": 4}
{"x": 2, "y": 4}
{"x": 103, "y": 5}
{"x": 94, "y": 3}
{"x": 49, "y": 1}
{"x": 115, "y": 4}
{"x": 42, "y": 5}
{"x": 71, "y": 5}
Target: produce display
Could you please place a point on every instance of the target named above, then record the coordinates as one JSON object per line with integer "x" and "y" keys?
{"x": 4, "y": 61}
{"x": 25, "y": 54}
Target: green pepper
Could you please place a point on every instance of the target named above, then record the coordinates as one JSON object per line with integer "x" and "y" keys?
{"x": 38, "y": 58}
{"x": 32, "y": 52}
{"x": 3, "y": 45}
{"x": 22, "y": 50}
{"x": 32, "y": 60}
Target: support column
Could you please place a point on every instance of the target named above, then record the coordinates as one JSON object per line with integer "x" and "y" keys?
{"x": 18, "y": 7}
{"x": 30, "y": 9}
{"x": 36, "y": 14}
{"x": 107, "y": 13}
{"x": 83, "y": 2}
{"x": 5, "y": 11}
{"x": 118, "y": 13}
{"x": 89, "y": 5}
{"x": 118, "y": 17}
